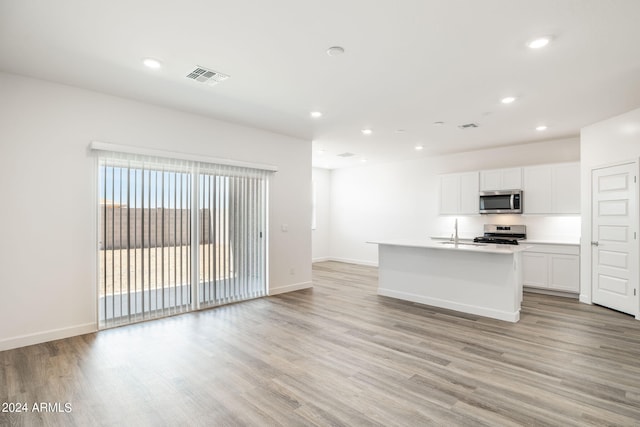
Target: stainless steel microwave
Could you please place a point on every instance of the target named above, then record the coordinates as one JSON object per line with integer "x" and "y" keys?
{"x": 501, "y": 202}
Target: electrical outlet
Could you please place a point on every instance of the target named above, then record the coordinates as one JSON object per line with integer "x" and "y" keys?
{"x": 292, "y": 271}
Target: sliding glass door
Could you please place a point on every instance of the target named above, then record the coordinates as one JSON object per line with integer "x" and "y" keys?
{"x": 232, "y": 223}
{"x": 163, "y": 223}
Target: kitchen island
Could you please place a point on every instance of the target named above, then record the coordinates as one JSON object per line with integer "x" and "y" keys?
{"x": 482, "y": 279}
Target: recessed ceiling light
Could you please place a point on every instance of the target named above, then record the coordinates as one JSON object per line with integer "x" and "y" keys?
{"x": 320, "y": 151}
{"x": 363, "y": 160}
{"x": 418, "y": 147}
{"x": 367, "y": 131}
{"x": 508, "y": 100}
{"x": 541, "y": 128}
{"x": 316, "y": 114}
{"x": 539, "y": 42}
{"x": 152, "y": 63}
{"x": 335, "y": 51}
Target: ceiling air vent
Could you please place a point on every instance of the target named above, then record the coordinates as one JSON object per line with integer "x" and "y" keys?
{"x": 468, "y": 126}
{"x": 204, "y": 75}
{"x": 346, "y": 155}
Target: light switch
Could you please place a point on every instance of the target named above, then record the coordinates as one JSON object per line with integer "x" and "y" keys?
{"x": 284, "y": 227}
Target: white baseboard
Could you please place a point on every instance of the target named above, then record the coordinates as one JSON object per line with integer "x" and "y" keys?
{"x": 290, "y": 288}
{"x": 40, "y": 337}
{"x": 353, "y": 261}
{"x": 586, "y": 299}
{"x": 452, "y": 305}
{"x": 321, "y": 259}
{"x": 551, "y": 292}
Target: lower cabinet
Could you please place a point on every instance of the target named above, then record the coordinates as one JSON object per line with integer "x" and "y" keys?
{"x": 552, "y": 267}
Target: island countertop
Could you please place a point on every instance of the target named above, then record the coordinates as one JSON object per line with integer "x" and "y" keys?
{"x": 451, "y": 246}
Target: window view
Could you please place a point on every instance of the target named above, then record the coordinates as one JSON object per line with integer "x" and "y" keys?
{"x": 146, "y": 230}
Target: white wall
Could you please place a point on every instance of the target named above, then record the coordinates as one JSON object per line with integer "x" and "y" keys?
{"x": 612, "y": 141}
{"x": 401, "y": 199}
{"x": 47, "y": 217}
{"x": 321, "y": 234}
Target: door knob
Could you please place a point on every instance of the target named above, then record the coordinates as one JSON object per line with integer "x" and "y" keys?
{"x": 594, "y": 243}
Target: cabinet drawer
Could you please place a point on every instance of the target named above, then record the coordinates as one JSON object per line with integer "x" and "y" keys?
{"x": 554, "y": 249}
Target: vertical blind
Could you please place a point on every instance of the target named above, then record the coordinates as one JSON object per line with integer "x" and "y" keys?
{"x": 177, "y": 235}
{"x": 233, "y": 222}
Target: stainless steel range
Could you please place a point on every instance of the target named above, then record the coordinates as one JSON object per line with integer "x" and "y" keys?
{"x": 502, "y": 234}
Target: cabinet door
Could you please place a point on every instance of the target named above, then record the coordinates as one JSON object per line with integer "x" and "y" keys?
{"x": 537, "y": 186}
{"x": 564, "y": 273}
{"x": 565, "y": 190}
{"x": 469, "y": 193}
{"x": 552, "y": 189}
{"x": 501, "y": 179}
{"x": 534, "y": 269}
{"x": 490, "y": 180}
{"x": 511, "y": 179}
{"x": 449, "y": 194}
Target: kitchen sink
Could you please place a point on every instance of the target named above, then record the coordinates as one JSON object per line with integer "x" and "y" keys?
{"x": 463, "y": 244}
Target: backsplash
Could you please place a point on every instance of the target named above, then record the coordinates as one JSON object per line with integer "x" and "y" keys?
{"x": 539, "y": 227}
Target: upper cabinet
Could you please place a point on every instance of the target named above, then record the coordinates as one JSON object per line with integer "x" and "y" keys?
{"x": 501, "y": 179}
{"x": 547, "y": 189}
{"x": 537, "y": 189}
{"x": 552, "y": 189}
{"x": 565, "y": 188}
{"x": 459, "y": 193}
{"x": 469, "y": 202}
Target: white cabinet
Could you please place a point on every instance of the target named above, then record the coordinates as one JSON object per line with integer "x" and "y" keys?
{"x": 552, "y": 189}
{"x": 547, "y": 189}
{"x": 564, "y": 272}
{"x": 537, "y": 190}
{"x": 565, "y": 188}
{"x": 501, "y": 179}
{"x": 469, "y": 193}
{"x": 459, "y": 193}
{"x": 490, "y": 180}
{"x": 552, "y": 267}
{"x": 534, "y": 269}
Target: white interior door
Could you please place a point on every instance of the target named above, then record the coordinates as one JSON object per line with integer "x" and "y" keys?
{"x": 614, "y": 234}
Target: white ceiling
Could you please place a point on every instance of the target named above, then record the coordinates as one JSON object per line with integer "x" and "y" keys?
{"x": 407, "y": 64}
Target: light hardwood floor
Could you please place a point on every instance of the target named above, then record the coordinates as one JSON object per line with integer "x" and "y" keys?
{"x": 339, "y": 355}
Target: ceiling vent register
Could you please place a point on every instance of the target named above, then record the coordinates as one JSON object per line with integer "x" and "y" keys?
{"x": 205, "y": 75}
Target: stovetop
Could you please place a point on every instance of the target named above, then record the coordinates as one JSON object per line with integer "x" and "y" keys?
{"x": 502, "y": 234}
{"x": 495, "y": 240}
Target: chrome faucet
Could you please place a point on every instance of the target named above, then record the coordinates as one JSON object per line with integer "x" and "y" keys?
{"x": 455, "y": 227}
{"x": 454, "y": 235}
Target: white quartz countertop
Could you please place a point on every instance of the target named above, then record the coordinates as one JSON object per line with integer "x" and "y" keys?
{"x": 451, "y": 246}
{"x": 571, "y": 241}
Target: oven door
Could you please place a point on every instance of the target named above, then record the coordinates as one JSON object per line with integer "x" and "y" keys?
{"x": 501, "y": 202}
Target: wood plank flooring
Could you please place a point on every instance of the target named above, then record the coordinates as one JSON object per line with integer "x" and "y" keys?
{"x": 338, "y": 355}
